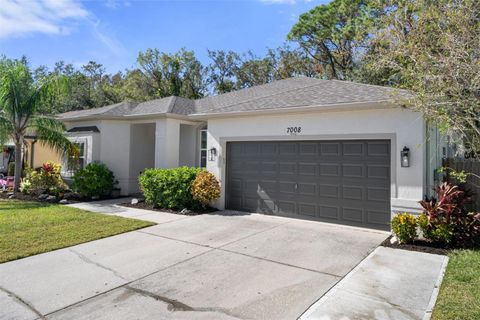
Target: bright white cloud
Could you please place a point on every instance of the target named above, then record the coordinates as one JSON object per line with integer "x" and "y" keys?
{"x": 18, "y": 18}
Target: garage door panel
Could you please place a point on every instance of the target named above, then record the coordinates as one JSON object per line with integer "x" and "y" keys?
{"x": 376, "y": 217}
{"x": 352, "y": 170}
{"x": 330, "y": 149}
{"x": 286, "y": 207}
{"x": 329, "y": 191}
{"x": 378, "y": 171}
{"x": 352, "y": 214}
{"x": 307, "y": 169}
{"x": 378, "y": 149}
{"x": 308, "y": 149}
{"x": 329, "y": 169}
{"x": 353, "y": 149}
{"x": 287, "y": 167}
{"x": 307, "y": 189}
{"x": 353, "y": 192}
{"x": 307, "y": 209}
{"x": 346, "y": 182}
{"x": 329, "y": 212}
{"x": 377, "y": 194}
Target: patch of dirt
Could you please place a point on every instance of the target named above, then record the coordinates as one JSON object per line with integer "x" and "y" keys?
{"x": 145, "y": 206}
{"x": 418, "y": 245}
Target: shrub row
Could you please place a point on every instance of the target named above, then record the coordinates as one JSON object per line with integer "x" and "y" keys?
{"x": 179, "y": 188}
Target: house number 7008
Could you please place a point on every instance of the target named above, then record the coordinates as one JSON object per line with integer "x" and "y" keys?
{"x": 294, "y": 130}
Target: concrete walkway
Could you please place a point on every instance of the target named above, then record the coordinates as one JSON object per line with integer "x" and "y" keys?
{"x": 228, "y": 265}
{"x": 389, "y": 284}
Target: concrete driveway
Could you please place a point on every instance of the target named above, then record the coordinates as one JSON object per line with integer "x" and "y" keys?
{"x": 220, "y": 266}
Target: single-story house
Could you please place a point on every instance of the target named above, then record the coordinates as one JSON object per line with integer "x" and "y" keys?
{"x": 325, "y": 150}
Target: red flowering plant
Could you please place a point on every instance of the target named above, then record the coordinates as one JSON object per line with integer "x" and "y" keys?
{"x": 46, "y": 179}
{"x": 445, "y": 220}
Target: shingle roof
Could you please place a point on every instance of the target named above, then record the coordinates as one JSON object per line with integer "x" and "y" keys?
{"x": 114, "y": 110}
{"x": 281, "y": 94}
{"x": 295, "y": 92}
{"x": 172, "y": 104}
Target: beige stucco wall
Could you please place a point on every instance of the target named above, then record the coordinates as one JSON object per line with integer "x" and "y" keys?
{"x": 41, "y": 154}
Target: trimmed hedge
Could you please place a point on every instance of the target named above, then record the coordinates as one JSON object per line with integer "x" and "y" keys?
{"x": 169, "y": 188}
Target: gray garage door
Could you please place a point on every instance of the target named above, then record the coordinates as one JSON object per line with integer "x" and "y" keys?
{"x": 345, "y": 182}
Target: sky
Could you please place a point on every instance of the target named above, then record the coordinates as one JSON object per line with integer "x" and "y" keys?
{"x": 113, "y": 32}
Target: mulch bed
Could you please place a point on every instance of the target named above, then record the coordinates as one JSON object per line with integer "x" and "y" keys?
{"x": 145, "y": 206}
{"x": 28, "y": 197}
{"x": 418, "y": 245}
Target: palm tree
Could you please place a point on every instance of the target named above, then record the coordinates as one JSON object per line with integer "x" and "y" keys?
{"x": 22, "y": 105}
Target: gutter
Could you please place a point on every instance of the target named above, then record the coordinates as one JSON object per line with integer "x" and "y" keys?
{"x": 128, "y": 117}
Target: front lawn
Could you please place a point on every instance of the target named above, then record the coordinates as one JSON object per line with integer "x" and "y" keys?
{"x": 28, "y": 228}
{"x": 459, "y": 296}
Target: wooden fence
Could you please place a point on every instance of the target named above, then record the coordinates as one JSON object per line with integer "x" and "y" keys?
{"x": 471, "y": 166}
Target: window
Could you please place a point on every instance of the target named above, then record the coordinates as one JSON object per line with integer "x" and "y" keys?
{"x": 203, "y": 148}
{"x": 75, "y": 162}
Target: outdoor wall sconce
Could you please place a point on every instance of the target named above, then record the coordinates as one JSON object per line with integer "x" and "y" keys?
{"x": 212, "y": 154}
{"x": 405, "y": 157}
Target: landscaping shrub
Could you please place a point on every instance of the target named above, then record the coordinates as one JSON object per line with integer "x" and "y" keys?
{"x": 169, "y": 188}
{"x": 46, "y": 179}
{"x": 95, "y": 180}
{"x": 404, "y": 225}
{"x": 205, "y": 188}
{"x": 436, "y": 232}
{"x": 445, "y": 220}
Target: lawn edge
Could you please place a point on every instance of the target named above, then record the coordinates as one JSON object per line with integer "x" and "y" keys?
{"x": 436, "y": 290}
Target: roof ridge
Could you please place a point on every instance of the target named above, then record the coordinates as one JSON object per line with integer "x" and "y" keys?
{"x": 369, "y": 85}
{"x": 171, "y": 103}
{"x": 271, "y": 95}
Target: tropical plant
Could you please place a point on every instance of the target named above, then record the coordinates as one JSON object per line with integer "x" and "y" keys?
{"x": 404, "y": 226}
{"x": 22, "y": 111}
{"x": 95, "y": 180}
{"x": 445, "y": 219}
{"x": 205, "y": 188}
{"x": 46, "y": 179}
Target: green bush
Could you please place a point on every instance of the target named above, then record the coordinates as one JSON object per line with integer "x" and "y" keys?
{"x": 404, "y": 225}
{"x": 169, "y": 188}
{"x": 11, "y": 169}
{"x": 95, "y": 180}
{"x": 436, "y": 232}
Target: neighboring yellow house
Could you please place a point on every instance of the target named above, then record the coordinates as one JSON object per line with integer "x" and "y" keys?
{"x": 37, "y": 153}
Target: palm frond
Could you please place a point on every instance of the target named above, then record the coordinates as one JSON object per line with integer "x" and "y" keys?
{"x": 6, "y": 129}
{"x": 51, "y": 132}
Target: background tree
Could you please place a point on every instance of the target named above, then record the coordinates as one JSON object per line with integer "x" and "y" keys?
{"x": 288, "y": 62}
{"x": 222, "y": 70}
{"x": 433, "y": 49}
{"x": 334, "y": 34}
{"x": 22, "y": 105}
{"x": 253, "y": 70}
{"x": 177, "y": 74}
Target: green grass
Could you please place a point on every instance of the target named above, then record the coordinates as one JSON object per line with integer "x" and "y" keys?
{"x": 459, "y": 296}
{"x": 28, "y": 228}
